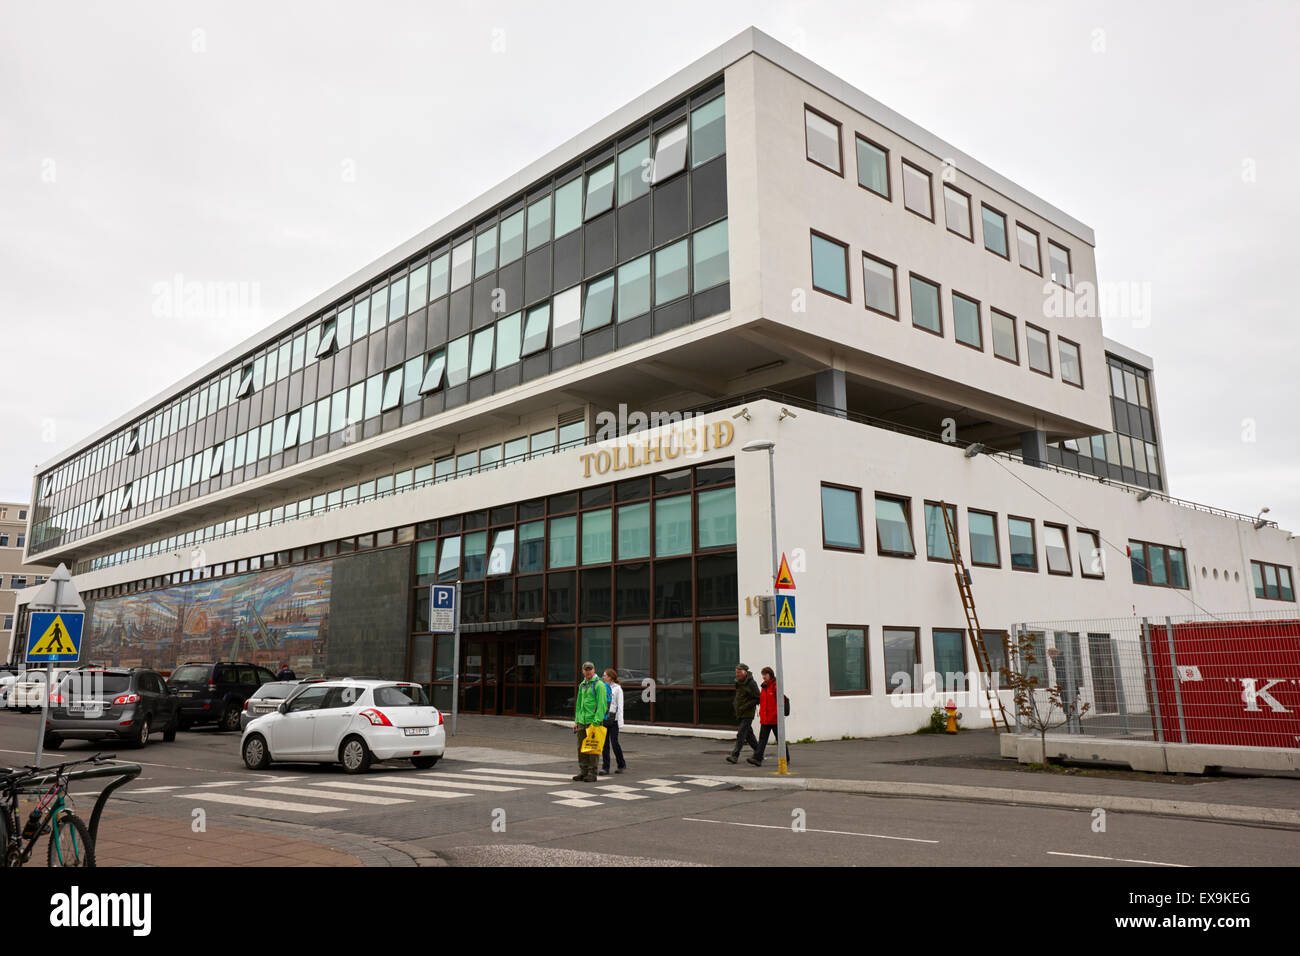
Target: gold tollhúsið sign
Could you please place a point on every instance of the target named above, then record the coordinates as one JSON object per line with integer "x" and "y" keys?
{"x": 685, "y": 441}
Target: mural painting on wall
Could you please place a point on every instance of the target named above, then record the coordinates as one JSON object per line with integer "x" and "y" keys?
{"x": 267, "y": 618}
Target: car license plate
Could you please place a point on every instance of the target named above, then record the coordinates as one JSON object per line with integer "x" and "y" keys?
{"x": 94, "y": 710}
{"x": 416, "y": 731}
{"x": 185, "y": 693}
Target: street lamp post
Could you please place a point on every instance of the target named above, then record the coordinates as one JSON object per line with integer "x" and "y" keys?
{"x": 770, "y": 448}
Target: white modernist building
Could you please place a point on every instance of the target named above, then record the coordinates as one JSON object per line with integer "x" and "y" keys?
{"x": 544, "y": 397}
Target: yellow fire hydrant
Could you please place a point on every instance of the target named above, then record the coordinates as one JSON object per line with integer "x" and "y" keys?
{"x": 951, "y": 708}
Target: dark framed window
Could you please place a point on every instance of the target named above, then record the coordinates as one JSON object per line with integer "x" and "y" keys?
{"x": 1071, "y": 365}
{"x": 936, "y": 534}
{"x": 873, "y": 166}
{"x": 894, "y": 527}
{"x": 918, "y": 195}
{"x": 1092, "y": 560}
{"x": 926, "y": 313}
{"x": 1038, "y": 348}
{"x": 982, "y": 527}
{"x": 956, "y": 212}
{"x": 995, "y": 231}
{"x": 841, "y": 517}
{"x": 1058, "y": 257}
{"x": 902, "y": 659}
{"x": 1005, "y": 345}
{"x": 1027, "y": 243}
{"x": 1023, "y": 544}
{"x": 1272, "y": 581}
{"x": 830, "y": 266}
{"x": 1158, "y": 565}
{"x": 950, "y": 668}
{"x": 966, "y": 321}
{"x": 822, "y": 140}
{"x": 880, "y": 285}
{"x": 1056, "y": 541}
{"x": 848, "y": 661}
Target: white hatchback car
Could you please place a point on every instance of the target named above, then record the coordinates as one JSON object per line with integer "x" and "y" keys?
{"x": 352, "y": 722}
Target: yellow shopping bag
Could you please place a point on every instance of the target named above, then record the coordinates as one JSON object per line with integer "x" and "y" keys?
{"x": 594, "y": 742}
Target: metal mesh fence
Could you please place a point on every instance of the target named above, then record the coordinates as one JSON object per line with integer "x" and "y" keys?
{"x": 1224, "y": 679}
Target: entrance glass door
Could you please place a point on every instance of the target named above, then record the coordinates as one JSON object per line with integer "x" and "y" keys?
{"x": 479, "y": 677}
{"x": 520, "y": 677}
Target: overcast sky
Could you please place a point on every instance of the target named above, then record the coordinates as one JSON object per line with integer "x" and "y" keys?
{"x": 281, "y": 146}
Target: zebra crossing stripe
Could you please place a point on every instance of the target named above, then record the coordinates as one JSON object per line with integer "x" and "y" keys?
{"x": 221, "y": 783}
{"x": 259, "y": 802}
{"x": 517, "y": 781}
{"x": 574, "y": 798}
{"x": 150, "y": 790}
{"x": 380, "y": 788}
{"x": 521, "y": 773}
{"x": 460, "y": 785}
{"x": 346, "y": 797}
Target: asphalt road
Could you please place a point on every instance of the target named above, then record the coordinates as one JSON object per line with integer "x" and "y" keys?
{"x": 498, "y": 805}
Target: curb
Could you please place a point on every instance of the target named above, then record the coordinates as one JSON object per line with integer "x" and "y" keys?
{"x": 1221, "y": 812}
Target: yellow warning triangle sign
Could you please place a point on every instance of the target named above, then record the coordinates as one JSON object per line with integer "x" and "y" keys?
{"x": 784, "y": 579}
{"x": 787, "y": 616}
{"x": 55, "y": 640}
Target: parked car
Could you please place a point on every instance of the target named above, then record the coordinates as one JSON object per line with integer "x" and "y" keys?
{"x": 215, "y": 691}
{"x": 267, "y": 698}
{"x": 352, "y": 722}
{"x": 121, "y": 703}
{"x": 28, "y": 692}
{"x": 8, "y": 677}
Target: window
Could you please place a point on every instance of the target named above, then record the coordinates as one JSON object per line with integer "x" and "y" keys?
{"x": 1272, "y": 581}
{"x": 708, "y": 132}
{"x": 1004, "y": 336}
{"x": 982, "y": 526}
{"x": 568, "y": 207}
{"x": 511, "y": 247}
{"x": 1158, "y": 565}
{"x": 894, "y": 527}
{"x": 966, "y": 321}
{"x": 716, "y": 517}
{"x": 880, "y": 283}
{"x": 1071, "y": 367}
{"x": 1027, "y": 240}
{"x": 1040, "y": 355}
{"x": 539, "y": 224}
{"x": 830, "y": 266}
{"x": 995, "y": 231}
{"x": 1092, "y": 560}
{"x": 1058, "y": 549}
{"x": 925, "y": 305}
{"x": 670, "y": 153}
{"x": 822, "y": 140}
{"x": 633, "y": 289}
{"x": 917, "y": 196}
{"x": 846, "y": 656}
{"x": 956, "y": 212}
{"x": 245, "y": 382}
{"x": 393, "y": 389}
{"x": 1058, "y": 257}
{"x": 672, "y": 279}
{"x": 458, "y": 361}
{"x": 673, "y": 526}
{"x": 18, "y": 581}
{"x": 536, "y": 328}
{"x": 485, "y": 254}
{"x": 841, "y": 518}
{"x": 936, "y": 534}
{"x": 599, "y": 309}
{"x": 873, "y": 167}
{"x": 567, "y": 322}
{"x": 634, "y": 171}
{"x": 600, "y": 189}
{"x": 1024, "y": 549}
{"x": 902, "y": 658}
{"x": 433, "y": 374}
{"x": 508, "y": 339}
{"x": 712, "y": 266}
{"x": 461, "y": 264}
{"x": 949, "y": 659}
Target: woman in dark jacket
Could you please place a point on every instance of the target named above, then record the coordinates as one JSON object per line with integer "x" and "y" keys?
{"x": 767, "y": 705}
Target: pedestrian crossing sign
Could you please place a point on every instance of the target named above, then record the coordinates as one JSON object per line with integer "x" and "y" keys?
{"x": 54, "y": 637}
{"x": 785, "y": 614}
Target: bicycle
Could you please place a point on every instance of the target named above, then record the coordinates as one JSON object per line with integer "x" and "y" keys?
{"x": 70, "y": 844}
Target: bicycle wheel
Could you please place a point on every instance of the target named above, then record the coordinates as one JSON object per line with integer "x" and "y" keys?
{"x": 4, "y": 838}
{"x": 70, "y": 843}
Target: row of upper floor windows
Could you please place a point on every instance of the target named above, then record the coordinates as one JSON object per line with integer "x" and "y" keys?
{"x": 641, "y": 159}
{"x": 823, "y": 139}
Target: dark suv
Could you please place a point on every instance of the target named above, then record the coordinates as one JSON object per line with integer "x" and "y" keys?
{"x": 111, "y": 703}
{"x": 214, "y": 692}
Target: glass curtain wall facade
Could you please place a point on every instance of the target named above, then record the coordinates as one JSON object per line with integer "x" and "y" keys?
{"x": 639, "y": 575}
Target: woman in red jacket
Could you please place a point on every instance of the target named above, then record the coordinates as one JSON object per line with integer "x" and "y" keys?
{"x": 766, "y": 717}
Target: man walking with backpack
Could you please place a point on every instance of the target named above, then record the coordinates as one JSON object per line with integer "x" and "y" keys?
{"x": 767, "y": 716}
{"x": 745, "y": 701}
{"x": 588, "y": 711}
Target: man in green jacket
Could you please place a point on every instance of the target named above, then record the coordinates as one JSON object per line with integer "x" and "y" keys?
{"x": 589, "y": 710}
{"x": 746, "y": 699}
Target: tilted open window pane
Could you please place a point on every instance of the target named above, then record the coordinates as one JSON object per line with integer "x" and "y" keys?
{"x": 392, "y": 390}
{"x": 600, "y": 189}
{"x": 634, "y": 171}
{"x": 873, "y": 168}
{"x": 327, "y": 339}
{"x": 823, "y": 140}
{"x": 536, "y": 328}
{"x": 1071, "y": 368}
{"x": 916, "y": 191}
{"x": 568, "y": 316}
{"x": 956, "y": 211}
{"x": 1040, "y": 358}
{"x": 670, "y": 152}
{"x": 433, "y": 375}
{"x": 1004, "y": 336}
{"x": 878, "y": 281}
{"x": 481, "y": 356}
{"x": 598, "y": 310}
{"x": 893, "y": 531}
{"x": 936, "y": 534}
{"x": 1058, "y": 552}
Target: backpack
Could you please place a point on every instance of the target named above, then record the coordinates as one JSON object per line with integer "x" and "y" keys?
{"x": 787, "y": 704}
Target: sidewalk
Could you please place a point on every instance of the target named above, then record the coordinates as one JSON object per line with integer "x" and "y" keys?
{"x": 918, "y": 765}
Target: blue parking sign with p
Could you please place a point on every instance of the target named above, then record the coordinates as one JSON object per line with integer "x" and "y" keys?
{"x": 442, "y": 608}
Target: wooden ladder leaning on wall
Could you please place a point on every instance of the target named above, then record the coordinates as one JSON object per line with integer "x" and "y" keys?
{"x": 973, "y": 631}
